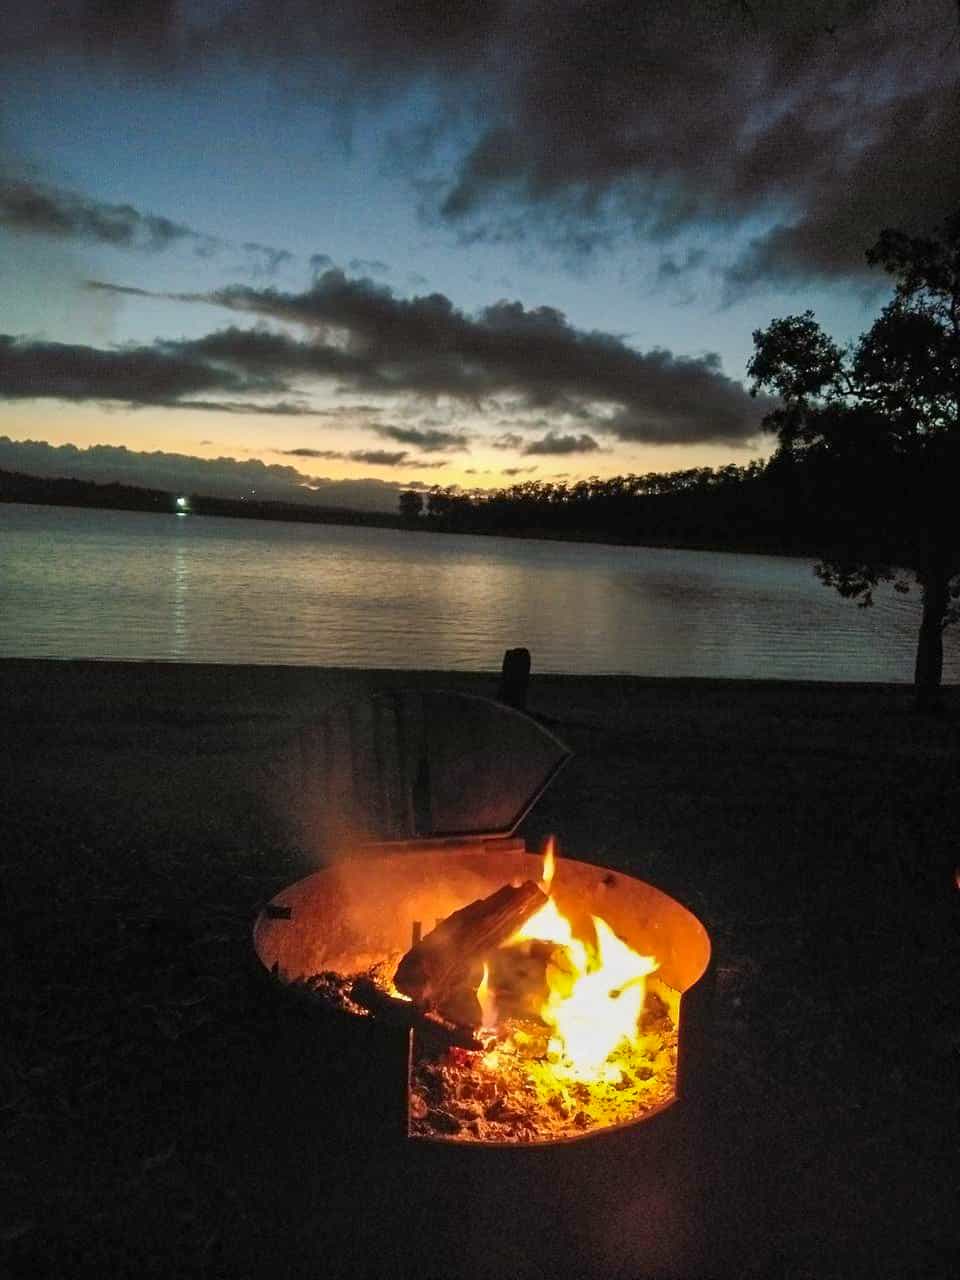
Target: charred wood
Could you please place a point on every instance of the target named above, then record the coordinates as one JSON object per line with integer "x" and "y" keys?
{"x": 443, "y": 970}
{"x": 387, "y": 1008}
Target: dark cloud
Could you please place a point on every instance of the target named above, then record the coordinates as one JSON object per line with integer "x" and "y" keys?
{"x": 672, "y": 267}
{"x": 363, "y": 338}
{"x": 36, "y": 209}
{"x": 507, "y": 440}
{"x": 181, "y": 473}
{"x": 518, "y": 471}
{"x": 371, "y": 340}
{"x": 174, "y": 374}
{"x": 42, "y": 210}
{"x": 160, "y": 374}
{"x": 304, "y": 452}
{"x": 907, "y": 176}
{"x": 370, "y": 457}
{"x": 265, "y": 260}
{"x": 368, "y": 267}
{"x": 380, "y": 457}
{"x": 556, "y": 444}
{"x": 274, "y": 409}
{"x": 828, "y": 121}
{"x": 823, "y": 120}
{"x": 387, "y": 458}
{"x": 320, "y": 262}
{"x": 427, "y": 439}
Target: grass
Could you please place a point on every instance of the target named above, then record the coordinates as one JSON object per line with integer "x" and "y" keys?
{"x": 156, "y": 1107}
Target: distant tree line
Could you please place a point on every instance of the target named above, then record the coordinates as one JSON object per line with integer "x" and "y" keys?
{"x": 64, "y": 492}
{"x": 742, "y": 508}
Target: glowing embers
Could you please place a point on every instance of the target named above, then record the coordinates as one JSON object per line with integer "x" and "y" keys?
{"x": 573, "y": 1039}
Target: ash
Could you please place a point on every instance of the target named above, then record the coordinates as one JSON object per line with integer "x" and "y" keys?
{"x": 515, "y": 1093}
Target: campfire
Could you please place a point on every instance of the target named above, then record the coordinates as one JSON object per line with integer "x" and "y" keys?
{"x": 567, "y": 1038}
{"x": 541, "y": 1005}
{"x": 541, "y": 999}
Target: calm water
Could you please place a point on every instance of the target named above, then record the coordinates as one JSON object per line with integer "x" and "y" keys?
{"x": 97, "y": 584}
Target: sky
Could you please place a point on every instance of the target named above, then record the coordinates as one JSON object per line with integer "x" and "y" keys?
{"x": 327, "y": 252}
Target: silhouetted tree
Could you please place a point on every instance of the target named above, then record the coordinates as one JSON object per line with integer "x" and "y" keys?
{"x": 411, "y": 505}
{"x": 871, "y": 436}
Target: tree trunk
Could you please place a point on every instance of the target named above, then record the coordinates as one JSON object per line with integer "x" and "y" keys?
{"x": 929, "y": 666}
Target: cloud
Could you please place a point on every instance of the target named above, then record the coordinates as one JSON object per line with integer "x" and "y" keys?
{"x": 906, "y": 176}
{"x": 552, "y": 443}
{"x": 386, "y": 458}
{"x": 825, "y": 122}
{"x": 368, "y": 267}
{"x": 429, "y": 440}
{"x": 50, "y": 211}
{"x": 266, "y": 260}
{"x": 369, "y": 340}
{"x": 506, "y": 440}
{"x": 273, "y": 409}
{"x": 182, "y": 473}
{"x": 159, "y": 374}
{"x": 517, "y": 471}
{"x": 371, "y": 457}
{"x": 380, "y": 457}
{"x": 34, "y": 208}
{"x": 304, "y": 452}
{"x": 583, "y": 124}
{"x": 671, "y": 267}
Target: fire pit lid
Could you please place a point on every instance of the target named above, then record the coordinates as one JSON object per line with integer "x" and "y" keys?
{"x": 418, "y": 765}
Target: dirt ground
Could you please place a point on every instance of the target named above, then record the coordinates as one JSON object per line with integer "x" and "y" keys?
{"x": 162, "y": 1117}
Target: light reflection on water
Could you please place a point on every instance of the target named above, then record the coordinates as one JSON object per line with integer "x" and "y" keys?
{"x": 124, "y": 585}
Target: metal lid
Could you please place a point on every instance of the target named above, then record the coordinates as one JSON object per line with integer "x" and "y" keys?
{"x": 410, "y": 765}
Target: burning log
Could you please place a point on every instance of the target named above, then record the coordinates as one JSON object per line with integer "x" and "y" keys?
{"x": 444, "y": 969}
{"x": 366, "y": 993}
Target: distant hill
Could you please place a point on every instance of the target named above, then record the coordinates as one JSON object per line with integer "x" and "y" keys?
{"x": 64, "y": 492}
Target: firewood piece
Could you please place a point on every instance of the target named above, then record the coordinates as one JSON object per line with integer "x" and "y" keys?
{"x": 403, "y": 1013}
{"x": 443, "y": 970}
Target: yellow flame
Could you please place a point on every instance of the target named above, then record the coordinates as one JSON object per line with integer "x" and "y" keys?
{"x": 603, "y": 1006}
{"x": 548, "y": 925}
{"x": 549, "y": 864}
{"x": 487, "y": 1000}
{"x": 595, "y": 996}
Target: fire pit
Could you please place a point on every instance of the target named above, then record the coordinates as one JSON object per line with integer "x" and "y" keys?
{"x": 504, "y": 1000}
{"x": 342, "y": 932}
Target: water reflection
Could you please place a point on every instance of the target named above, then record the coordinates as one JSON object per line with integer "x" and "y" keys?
{"x": 87, "y": 584}
{"x": 178, "y": 611}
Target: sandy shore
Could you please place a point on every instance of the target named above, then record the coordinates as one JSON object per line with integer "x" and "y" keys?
{"x": 809, "y": 825}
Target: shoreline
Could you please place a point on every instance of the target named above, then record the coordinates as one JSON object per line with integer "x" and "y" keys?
{"x": 384, "y": 520}
{"x": 430, "y": 674}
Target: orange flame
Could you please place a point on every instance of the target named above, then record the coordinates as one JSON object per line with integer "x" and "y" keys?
{"x": 595, "y": 994}
{"x": 549, "y": 864}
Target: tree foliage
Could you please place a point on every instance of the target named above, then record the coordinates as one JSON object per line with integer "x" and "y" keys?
{"x": 871, "y": 435}
{"x": 411, "y": 505}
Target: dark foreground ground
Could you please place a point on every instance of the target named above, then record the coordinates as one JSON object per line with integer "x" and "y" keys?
{"x": 161, "y": 1114}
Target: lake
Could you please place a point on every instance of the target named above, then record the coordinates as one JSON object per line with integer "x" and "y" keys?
{"x": 78, "y": 583}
